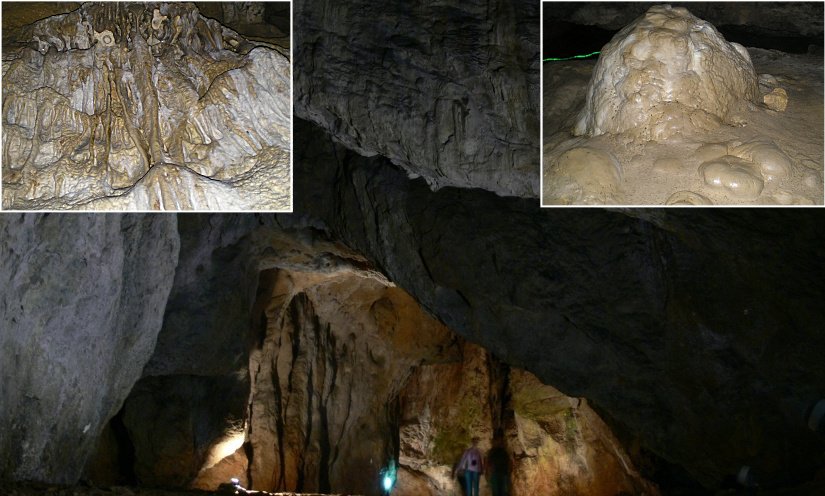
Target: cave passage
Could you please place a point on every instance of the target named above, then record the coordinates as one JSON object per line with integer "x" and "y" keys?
{"x": 348, "y": 376}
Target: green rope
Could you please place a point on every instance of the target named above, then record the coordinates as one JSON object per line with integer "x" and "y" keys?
{"x": 553, "y": 59}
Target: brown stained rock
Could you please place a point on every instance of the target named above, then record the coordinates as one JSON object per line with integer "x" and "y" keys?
{"x": 556, "y": 444}
{"x": 777, "y": 100}
{"x": 561, "y": 446}
{"x": 335, "y": 351}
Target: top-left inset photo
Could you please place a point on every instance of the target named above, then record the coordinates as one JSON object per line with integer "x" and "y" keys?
{"x": 118, "y": 106}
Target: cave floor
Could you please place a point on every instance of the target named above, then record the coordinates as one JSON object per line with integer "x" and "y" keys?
{"x": 32, "y": 488}
{"x": 653, "y": 172}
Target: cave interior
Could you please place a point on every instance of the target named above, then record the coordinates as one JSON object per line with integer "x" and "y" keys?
{"x": 398, "y": 313}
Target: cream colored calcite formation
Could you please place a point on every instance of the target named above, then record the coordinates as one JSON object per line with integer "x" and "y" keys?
{"x": 676, "y": 115}
{"x": 667, "y": 66}
{"x": 123, "y": 106}
{"x": 586, "y": 175}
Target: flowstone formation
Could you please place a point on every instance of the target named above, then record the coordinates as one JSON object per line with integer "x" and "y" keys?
{"x": 144, "y": 107}
{"x": 666, "y": 70}
{"x": 675, "y": 114}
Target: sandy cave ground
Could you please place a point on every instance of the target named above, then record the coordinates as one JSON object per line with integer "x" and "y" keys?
{"x": 667, "y": 172}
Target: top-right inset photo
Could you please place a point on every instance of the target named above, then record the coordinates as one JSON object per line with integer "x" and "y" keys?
{"x": 694, "y": 103}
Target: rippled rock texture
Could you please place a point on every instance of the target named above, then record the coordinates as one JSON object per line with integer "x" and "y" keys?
{"x": 144, "y": 107}
{"x": 446, "y": 90}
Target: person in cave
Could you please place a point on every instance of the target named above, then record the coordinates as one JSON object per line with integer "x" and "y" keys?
{"x": 472, "y": 464}
{"x": 498, "y": 466}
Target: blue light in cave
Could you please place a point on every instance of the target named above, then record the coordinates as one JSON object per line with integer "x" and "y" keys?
{"x": 388, "y": 477}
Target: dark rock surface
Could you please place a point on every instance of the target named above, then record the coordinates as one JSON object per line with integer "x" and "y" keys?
{"x": 82, "y": 304}
{"x": 694, "y": 331}
{"x": 773, "y": 19}
{"x": 447, "y": 90}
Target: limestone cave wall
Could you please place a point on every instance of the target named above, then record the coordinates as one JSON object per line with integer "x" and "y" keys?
{"x": 345, "y": 372}
{"x": 693, "y": 334}
{"x": 82, "y": 304}
{"x": 289, "y": 350}
{"x": 443, "y": 90}
{"x": 697, "y": 317}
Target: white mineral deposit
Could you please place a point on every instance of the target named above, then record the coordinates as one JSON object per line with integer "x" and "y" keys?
{"x": 683, "y": 117}
{"x": 122, "y": 106}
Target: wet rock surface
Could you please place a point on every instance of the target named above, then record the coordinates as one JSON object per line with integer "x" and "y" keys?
{"x": 144, "y": 107}
{"x": 447, "y": 91}
{"x": 666, "y": 56}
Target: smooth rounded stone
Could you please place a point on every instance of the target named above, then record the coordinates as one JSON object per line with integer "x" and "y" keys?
{"x": 668, "y": 165}
{"x": 688, "y": 198}
{"x": 733, "y": 174}
{"x": 584, "y": 175}
{"x": 667, "y": 57}
{"x": 776, "y": 99}
{"x": 768, "y": 80}
{"x": 773, "y": 163}
{"x": 710, "y": 151}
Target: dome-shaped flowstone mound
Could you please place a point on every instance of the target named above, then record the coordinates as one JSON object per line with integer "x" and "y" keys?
{"x": 665, "y": 73}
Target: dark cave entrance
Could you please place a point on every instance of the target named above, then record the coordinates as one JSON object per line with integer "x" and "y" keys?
{"x": 114, "y": 461}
